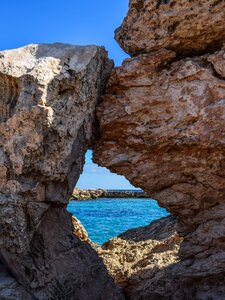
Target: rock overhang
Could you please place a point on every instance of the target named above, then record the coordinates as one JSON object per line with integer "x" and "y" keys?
{"x": 186, "y": 27}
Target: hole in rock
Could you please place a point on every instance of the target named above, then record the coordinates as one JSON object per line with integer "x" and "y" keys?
{"x": 119, "y": 208}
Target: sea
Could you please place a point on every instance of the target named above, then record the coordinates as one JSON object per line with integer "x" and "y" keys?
{"x": 106, "y": 218}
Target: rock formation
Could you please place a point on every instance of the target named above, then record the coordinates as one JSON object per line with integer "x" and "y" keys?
{"x": 138, "y": 259}
{"x": 48, "y": 97}
{"x": 187, "y": 27}
{"x": 79, "y": 194}
{"x": 79, "y": 230}
{"x": 162, "y": 123}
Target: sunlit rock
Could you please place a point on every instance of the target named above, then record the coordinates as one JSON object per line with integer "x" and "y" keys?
{"x": 79, "y": 230}
{"x": 186, "y": 27}
{"x": 48, "y": 95}
{"x": 139, "y": 260}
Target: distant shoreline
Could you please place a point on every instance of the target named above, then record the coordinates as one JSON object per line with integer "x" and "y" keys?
{"x": 79, "y": 194}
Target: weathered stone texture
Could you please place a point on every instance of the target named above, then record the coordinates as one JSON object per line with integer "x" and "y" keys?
{"x": 139, "y": 259}
{"x": 79, "y": 230}
{"x": 48, "y": 95}
{"x": 10, "y": 289}
{"x": 162, "y": 126}
{"x": 186, "y": 27}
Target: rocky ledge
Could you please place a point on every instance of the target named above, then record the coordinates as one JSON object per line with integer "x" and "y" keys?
{"x": 139, "y": 260}
{"x": 79, "y": 194}
{"x": 186, "y": 27}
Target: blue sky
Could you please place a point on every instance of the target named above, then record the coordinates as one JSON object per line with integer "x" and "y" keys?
{"x": 69, "y": 21}
{"x": 76, "y": 22}
{"x": 97, "y": 177}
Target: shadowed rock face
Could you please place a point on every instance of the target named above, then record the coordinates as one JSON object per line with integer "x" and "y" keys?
{"x": 187, "y": 27}
{"x": 10, "y": 288}
{"x": 138, "y": 260}
{"x": 162, "y": 126}
{"x": 48, "y": 95}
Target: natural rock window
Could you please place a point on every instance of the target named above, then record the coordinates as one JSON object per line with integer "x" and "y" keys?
{"x": 161, "y": 125}
{"x": 107, "y": 204}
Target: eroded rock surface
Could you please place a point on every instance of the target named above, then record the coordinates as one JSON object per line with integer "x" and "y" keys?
{"x": 79, "y": 230}
{"x": 48, "y": 95}
{"x": 162, "y": 126}
{"x": 10, "y": 289}
{"x": 186, "y": 27}
{"x": 139, "y": 259}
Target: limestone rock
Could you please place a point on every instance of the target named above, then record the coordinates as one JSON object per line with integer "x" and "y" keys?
{"x": 162, "y": 126}
{"x": 79, "y": 194}
{"x": 139, "y": 258}
{"x": 48, "y": 95}
{"x": 79, "y": 230}
{"x": 186, "y": 27}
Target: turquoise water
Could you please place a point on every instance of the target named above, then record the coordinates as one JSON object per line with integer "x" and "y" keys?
{"x": 106, "y": 218}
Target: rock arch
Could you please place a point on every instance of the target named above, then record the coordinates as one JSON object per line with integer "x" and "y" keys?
{"x": 161, "y": 125}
